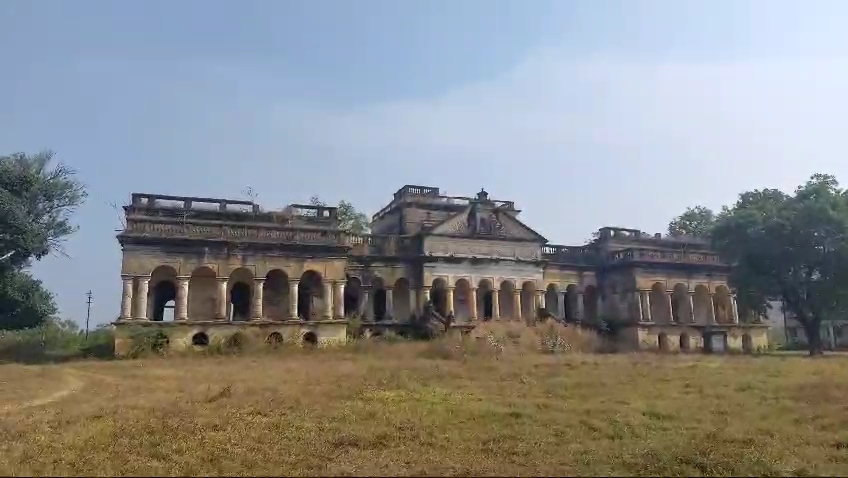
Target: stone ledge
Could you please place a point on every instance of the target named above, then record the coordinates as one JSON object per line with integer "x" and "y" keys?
{"x": 246, "y": 323}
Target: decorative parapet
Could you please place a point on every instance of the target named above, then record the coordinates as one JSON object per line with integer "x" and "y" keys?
{"x": 230, "y": 232}
{"x": 649, "y": 255}
{"x": 381, "y": 245}
{"x": 569, "y": 254}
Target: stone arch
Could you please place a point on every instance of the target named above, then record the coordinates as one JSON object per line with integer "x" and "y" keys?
{"x": 352, "y": 297}
{"x": 723, "y": 305}
{"x": 659, "y": 304}
{"x": 590, "y": 302}
{"x": 310, "y": 339}
{"x": 275, "y": 339}
{"x": 485, "y": 300}
{"x": 240, "y": 294}
{"x": 552, "y": 300}
{"x": 275, "y": 295}
{"x": 685, "y": 342}
{"x": 163, "y": 294}
{"x": 747, "y": 343}
{"x": 378, "y": 299}
{"x": 703, "y": 304}
{"x": 200, "y": 339}
{"x": 571, "y": 303}
{"x": 439, "y": 296}
{"x": 310, "y": 295}
{"x": 528, "y": 300}
{"x": 506, "y": 299}
{"x": 402, "y": 299}
{"x": 202, "y": 294}
{"x": 680, "y": 304}
{"x": 462, "y": 300}
{"x": 662, "y": 342}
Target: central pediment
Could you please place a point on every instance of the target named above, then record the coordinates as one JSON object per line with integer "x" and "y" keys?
{"x": 483, "y": 221}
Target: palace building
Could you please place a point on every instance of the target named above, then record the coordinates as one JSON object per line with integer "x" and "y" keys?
{"x": 203, "y": 269}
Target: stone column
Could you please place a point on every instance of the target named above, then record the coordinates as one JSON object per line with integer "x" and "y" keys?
{"x": 328, "y": 300}
{"x": 339, "y": 299}
{"x": 366, "y": 311}
{"x": 449, "y": 300}
{"x": 712, "y": 310}
{"x": 126, "y": 298}
{"x": 258, "y": 294}
{"x": 581, "y": 306}
{"x": 181, "y": 304}
{"x": 735, "y": 309}
{"x": 294, "y": 286}
{"x": 221, "y": 300}
{"x": 516, "y": 305}
{"x": 413, "y": 294}
{"x": 647, "y": 296}
{"x": 390, "y": 303}
{"x": 670, "y": 307}
{"x": 540, "y": 300}
{"x": 473, "y": 305}
{"x": 496, "y": 305}
{"x": 561, "y": 304}
{"x": 692, "y": 307}
{"x": 639, "y": 303}
{"x": 141, "y": 300}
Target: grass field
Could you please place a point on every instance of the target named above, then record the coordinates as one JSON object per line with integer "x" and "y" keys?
{"x": 427, "y": 408}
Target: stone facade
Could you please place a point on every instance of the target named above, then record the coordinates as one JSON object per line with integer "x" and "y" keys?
{"x": 202, "y": 268}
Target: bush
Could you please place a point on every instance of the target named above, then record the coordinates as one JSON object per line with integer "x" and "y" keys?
{"x": 56, "y": 341}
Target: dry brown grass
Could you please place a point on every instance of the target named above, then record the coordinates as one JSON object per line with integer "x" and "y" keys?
{"x": 428, "y": 408}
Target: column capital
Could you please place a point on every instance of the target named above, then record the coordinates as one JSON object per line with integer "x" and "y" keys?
{"x": 184, "y": 278}
{"x": 144, "y": 278}
{"x": 258, "y": 280}
{"x": 127, "y": 276}
{"x": 426, "y": 287}
{"x": 222, "y": 279}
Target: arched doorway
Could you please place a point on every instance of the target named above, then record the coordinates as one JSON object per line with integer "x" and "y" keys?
{"x": 200, "y": 339}
{"x": 352, "y": 297}
{"x": 462, "y": 301}
{"x": 402, "y": 300}
{"x": 485, "y": 300}
{"x": 747, "y": 344}
{"x": 378, "y": 298}
{"x": 240, "y": 294}
{"x": 438, "y": 296}
{"x": 685, "y": 342}
{"x": 571, "y": 303}
{"x": 203, "y": 294}
{"x": 723, "y": 305}
{"x": 590, "y": 302}
{"x": 506, "y": 300}
{"x": 552, "y": 300}
{"x": 275, "y": 295}
{"x": 163, "y": 296}
{"x": 310, "y": 296}
{"x": 660, "y": 312}
{"x": 680, "y": 304}
{"x": 702, "y": 304}
{"x": 310, "y": 339}
{"x": 662, "y": 342}
{"x": 528, "y": 300}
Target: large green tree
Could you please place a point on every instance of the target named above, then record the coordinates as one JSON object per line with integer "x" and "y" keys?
{"x": 37, "y": 200}
{"x": 793, "y": 247}
{"x": 695, "y": 221}
{"x": 350, "y": 219}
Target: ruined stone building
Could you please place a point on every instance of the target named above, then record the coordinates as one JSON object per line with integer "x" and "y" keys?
{"x": 201, "y": 269}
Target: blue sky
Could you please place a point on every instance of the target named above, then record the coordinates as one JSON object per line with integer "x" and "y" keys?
{"x": 586, "y": 113}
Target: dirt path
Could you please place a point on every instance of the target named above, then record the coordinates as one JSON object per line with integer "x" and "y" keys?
{"x": 72, "y": 384}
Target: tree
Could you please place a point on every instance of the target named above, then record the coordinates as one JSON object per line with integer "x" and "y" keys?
{"x": 792, "y": 247}
{"x": 695, "y": 221}
{"x": 350, "y": 220}
{"x": 36, "y": 203}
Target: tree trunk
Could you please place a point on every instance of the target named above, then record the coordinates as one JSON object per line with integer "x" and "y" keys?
{"x": 812, "y": 328}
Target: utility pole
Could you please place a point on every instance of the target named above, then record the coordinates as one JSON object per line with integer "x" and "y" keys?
{"x": 87, "y": 315}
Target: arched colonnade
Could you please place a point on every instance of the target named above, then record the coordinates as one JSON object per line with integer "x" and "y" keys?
{"x": 683, "y": 306}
